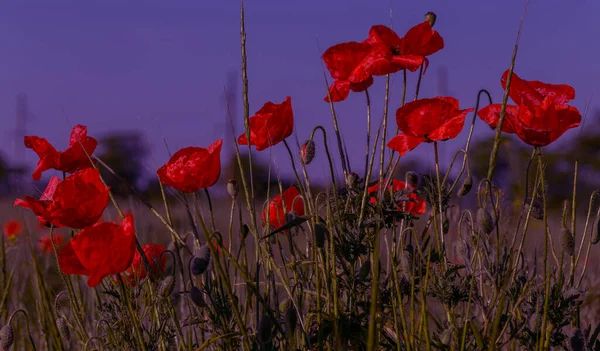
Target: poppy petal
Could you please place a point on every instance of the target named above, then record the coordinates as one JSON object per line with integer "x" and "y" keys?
{"x": 403, "y": 143}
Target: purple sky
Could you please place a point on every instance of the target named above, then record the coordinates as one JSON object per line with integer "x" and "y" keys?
{"x": 160, "y": 66}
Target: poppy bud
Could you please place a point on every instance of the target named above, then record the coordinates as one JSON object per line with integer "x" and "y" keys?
{"x": 567, "y": 241}
{"x": 577, "y": 341}
{"x": 321, "y": 233}
{"x": 352, "y": 180}
{"x": 201, "y": 260}
{"x": 7, "y": 337}
{"x": 535, "y": 321}
{"x": 537, "y": 212}
{"x": 485, "y": 221}
{"x": 232, "y": 188}
{"x": 263, "y": 333}
{"x": 445, "y": 226}
{"x": 244, "y": 232}
{"x": 430, "y": 17}
{"x": 307, "y": 152}
{"x": 63, "y": 329}
{"x": 413, "y": 180}
{"x": 596, "y": 236}
{"x": 466, "y": 186}
{"x": 364, "y": 270}
{"x": 196, "y": 296}
{"x": 167, "y": 286}
{"x": 291, "y": 320}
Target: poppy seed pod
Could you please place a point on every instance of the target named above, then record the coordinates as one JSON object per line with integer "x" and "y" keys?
{"x": 430, "y": 17}
{"x": 233, "y": 188}
{"x": 485, "y": 221}
{"x": 167, "y": 286}
{"x": 196, "y": 296}
{"x": 466, "y": 186}
{"x": 7, "y": 337}
{"x": 201, "y": 260}
{"x": 263, "y": 334}
{"x": 321, "y": 233}
{"x": 596, "y": 236}
{"x": 63, "y": 329}
{"x": 567, "y": 241}
{"x": 413, "y": 180}
{"x": 365, "y": 270}
{"x": 307, "y": 152}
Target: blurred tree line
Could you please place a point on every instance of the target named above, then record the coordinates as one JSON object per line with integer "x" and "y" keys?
{"x": 127, "y": 153}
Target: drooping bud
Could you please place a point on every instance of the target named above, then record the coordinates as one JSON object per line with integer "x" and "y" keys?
{"x": 445, "y": 226}
{"x": 596, "y": 237}
{"x": 167, "y": 286}
{"x": 466, "y": 186}
{"x": 196, "y": 296}
{"x": 485, "y": 221}
{"x": 201, "y": 260}
{"x": 291, "y": 320}
{"x": 413, "y": 180}
{"x": 7, "y": 337}
{"x": 63, "y": 329}
{"x": 537, "y": 211}
{"x": 244, "y": 231}
{"x": 233, "y": 189}
{"x": 567, "y": 241}
{"x": 577, "y": 341}
{"x": 321, "y": 233}
{"x": 263, "y": 334}
{"x": 430, "y": 17}
{"x": 307, "y": 152}
{"x": 365, "y": 270}
{"x": 352, "y": 180}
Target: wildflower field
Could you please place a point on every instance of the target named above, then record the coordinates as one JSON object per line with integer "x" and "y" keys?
{"x": 376, "y": 260}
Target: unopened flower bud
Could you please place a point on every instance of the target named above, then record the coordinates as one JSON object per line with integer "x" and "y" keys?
{"x": 537, "y": 211}
{"x": 7, "y": 337}
{"x": 63, "y": 329}
{"x": 201, "y": 260}
{"x": 196, "y": 296}
{"x": 232, "y": 188}
{"x": 263, "y": 333}
{"x": 352, "y": 180}
{"x": 567, "y": 241}
{"x": 430, "y": 17}
{"x": 445, "y": 226}
{"x": 413, "y": 180}
{"x": 466, "y": 186}
{"x": 365, "y": 270}
{"x": 577, "y": 340}
{"x": 596, "y": 237}
{"x": 291, "y": 320}
{"x": 485, "y": 221}
{"x": 321, "y": 233}
{"x": 307, "y": 152}
{"x": 166, "y": 287}
{"x": 244, "y": 231}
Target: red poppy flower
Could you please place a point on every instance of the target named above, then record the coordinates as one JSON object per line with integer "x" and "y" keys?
{"x": 270, "y": 125}
{"x": 386, "y": 56}
{"x": 76, "y": 202}
{"x": 417, "y": 208}
{"x": 12, "y": 228}
{"x": 73, "y": 158}
{"x": 293, "y": 202}
{"x": 427, "y": 120}
{"x": 137, "y": 270}
{"x": 45, "y": 243}
{"x": 193, "y": 168}
{"x": 421, "y": 40}
{"x": 99, "y": 251}
{"x": 346, "y": 62}
{"x": 542, "y": 114}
